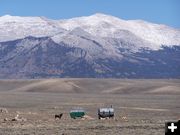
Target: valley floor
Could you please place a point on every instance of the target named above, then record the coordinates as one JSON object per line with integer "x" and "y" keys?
{"x": 136, "y": 113}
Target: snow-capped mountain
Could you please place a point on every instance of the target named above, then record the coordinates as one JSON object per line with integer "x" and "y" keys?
{"x": 98, "y": 25}
{"x": 109, "y": 26}
{"x": 94, "y": 46}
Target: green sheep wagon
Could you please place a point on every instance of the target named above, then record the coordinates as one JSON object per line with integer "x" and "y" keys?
{"x": 77, "y": 113}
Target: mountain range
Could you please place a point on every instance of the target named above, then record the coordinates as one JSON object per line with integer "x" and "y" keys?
{"x": 97, "y": 46}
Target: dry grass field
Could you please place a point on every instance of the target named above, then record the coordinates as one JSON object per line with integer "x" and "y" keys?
{"x": 141, "y": 106}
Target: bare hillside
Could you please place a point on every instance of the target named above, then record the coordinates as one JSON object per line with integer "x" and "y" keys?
{"x": 109, "y": 86}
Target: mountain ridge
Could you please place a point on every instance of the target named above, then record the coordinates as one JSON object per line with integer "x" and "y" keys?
{"x": 98, "y": 46}
{"x": 114, "y": 24}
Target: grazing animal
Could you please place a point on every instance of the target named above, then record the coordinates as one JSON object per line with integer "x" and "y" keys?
{"x": 16, "y": 118}
{"x": 3, "y": 110}
{"x": 58, "y": 116}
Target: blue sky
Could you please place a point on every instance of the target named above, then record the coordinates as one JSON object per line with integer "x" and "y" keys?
{"x": 157, "y": 11}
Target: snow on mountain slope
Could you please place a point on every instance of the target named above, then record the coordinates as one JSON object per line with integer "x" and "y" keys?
{"x": 95, "y": 46}
{"x": 103, "y": 29}
{"x": 109, "y": 26}
{"x": 15, "y": 27}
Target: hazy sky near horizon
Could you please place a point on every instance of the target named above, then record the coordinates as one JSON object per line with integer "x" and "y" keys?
{"x": 156, "y": 11}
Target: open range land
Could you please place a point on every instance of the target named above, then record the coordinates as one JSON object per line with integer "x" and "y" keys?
{"x": 141, "y": 106}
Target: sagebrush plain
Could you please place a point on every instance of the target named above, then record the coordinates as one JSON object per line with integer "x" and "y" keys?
{"x": 141, "y": 106}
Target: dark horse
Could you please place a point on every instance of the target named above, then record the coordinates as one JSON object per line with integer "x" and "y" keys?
{"x": 58, "y": 116}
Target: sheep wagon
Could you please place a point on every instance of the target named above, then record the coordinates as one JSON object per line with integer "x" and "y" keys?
{"x": 77, "y": 113}
{"x": 105, "y": 113}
